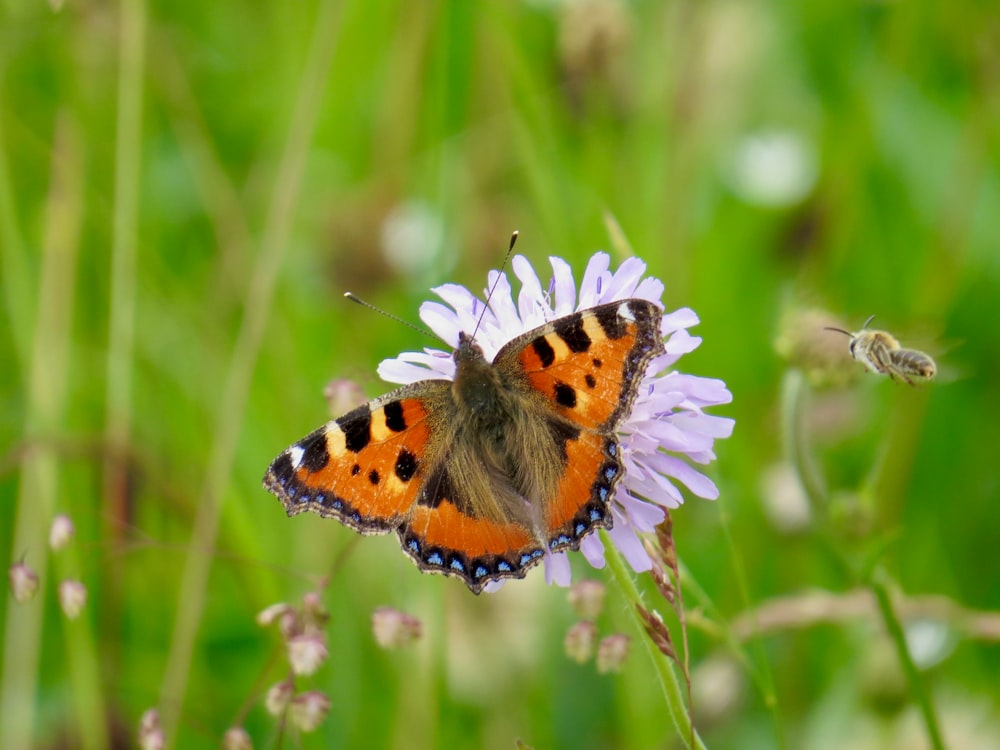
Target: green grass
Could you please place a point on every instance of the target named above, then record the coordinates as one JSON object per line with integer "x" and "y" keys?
{"x": 186, "y": 191}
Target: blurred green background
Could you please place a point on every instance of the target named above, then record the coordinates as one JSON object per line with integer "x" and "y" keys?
{"x": 187, "y": 189}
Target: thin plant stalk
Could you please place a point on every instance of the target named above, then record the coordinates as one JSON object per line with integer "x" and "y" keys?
{"x": 672, "y": 694}
{"x": 233, "y": 398}
{"x": 794, "y": 393}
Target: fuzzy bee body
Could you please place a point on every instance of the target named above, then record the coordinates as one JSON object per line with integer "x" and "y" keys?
{"x": 880, "y": 352}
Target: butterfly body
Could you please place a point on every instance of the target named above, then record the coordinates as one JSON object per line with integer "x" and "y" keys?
{"x": 480, "y": 476}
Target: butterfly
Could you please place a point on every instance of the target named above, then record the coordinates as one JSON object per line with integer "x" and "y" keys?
{"x": 483, "y": 475}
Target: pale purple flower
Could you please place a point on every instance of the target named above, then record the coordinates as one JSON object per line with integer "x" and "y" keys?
{"x": 667, "y": 429}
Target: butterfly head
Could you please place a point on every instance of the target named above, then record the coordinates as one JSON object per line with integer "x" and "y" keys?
{"x": 468, "y": 350}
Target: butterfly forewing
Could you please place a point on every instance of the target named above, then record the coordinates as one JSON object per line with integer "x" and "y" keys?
{"x": 365, "y": 468}
{"x": 588, "y": 363}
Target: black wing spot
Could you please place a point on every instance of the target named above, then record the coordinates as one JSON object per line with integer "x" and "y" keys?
{"x": 406, "y": 465}
{"x": 394, "y": 418}
{"x": 357, "y": 427}
{"x": 597, "y": 363}
{"x": 613, "y": 324}
{"x": 570, "y": 330}
{"x": 565, "y": 395}
{"x": 315, "y": 454}
{"x": 373, "y": 477}
{"x": 355, "y": 470}
{"x": 544, "y": 350}
{"x": 590, "y": 380}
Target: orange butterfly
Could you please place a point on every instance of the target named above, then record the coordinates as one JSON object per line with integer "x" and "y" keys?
{"x": 484, "y": 475}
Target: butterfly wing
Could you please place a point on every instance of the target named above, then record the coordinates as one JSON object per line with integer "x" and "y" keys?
{"x": 444, "y": 534}
{"x": 586, "y": 368}
{"x": 366, "y": 468}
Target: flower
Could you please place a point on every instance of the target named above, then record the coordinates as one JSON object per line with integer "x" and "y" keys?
{"x": 579, "y": 641}
{"x": 61, "y": 532}
{"x": 150, "y": 732}
{"x": 279, "y": 695}
{"x": 395, "y": 629}
{"x": 237, "y": 738}
{"x": 587, "y": 598}
{"x": 612, "y": 652}
{"x": 72, "y": 598}
{"x": 307, "y": 652}
{"x": 23, "y": 582}
{"x": 667, "y": 427}
{"x": 309, "y": 709}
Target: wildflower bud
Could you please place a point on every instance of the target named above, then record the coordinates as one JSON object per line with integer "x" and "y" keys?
{"x": 289, "y": 624}
{"x": 342, "y": 395}
{"x": 72, "y": 598}
{"x": 394, "y": 629}
{"x": 313, "y": 610}
{"x": 278, "y": 697}
{"x": 309, "y": 709}
{"x": 23, "y": 582}
{"x": 150, "y": 732}
{"x": 271, "y": 614}
{"x": 587, "y": 598}
{"x": 61, "y": 532}
{"x": 307, "y": 652}
{"x": 612, "y": 652}
{"x": 236, "y": 738}
{"x": 580, "y": 640}
{"x": 822, "y": 355}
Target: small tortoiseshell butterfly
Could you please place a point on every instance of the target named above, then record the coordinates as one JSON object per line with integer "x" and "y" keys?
{"x": 482, "y": 475}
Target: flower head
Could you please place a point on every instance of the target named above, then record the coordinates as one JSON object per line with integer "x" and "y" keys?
{"x": 667, "y": 427}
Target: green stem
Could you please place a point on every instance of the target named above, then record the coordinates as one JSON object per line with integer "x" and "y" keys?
{"x": 895, "y": 630}
{"x": 229, "y": 419}
{"x": 664, "y": 667}
{"x": 794, "y": 390}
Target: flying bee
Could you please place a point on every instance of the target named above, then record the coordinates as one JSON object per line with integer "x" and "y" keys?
{"x": 880, "y": 352}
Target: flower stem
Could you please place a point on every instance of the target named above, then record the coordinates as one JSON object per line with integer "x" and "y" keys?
{"x": 664, "y": 668}
{"x": 895, "y": 630}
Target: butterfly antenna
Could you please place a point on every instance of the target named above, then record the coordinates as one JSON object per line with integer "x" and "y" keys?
{"x": 489, "y": 294}
{"x": 354, "y": 298}
{"x": 870, "y": 319}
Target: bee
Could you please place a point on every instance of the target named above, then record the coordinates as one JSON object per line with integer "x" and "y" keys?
{"x": 880, "y": 352}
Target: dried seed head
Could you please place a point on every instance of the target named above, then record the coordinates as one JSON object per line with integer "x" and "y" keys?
{"x": 278, "y": 697}
{"x": 61, "y": 532}
{"x": 587, "y": 598}
{"x": 72, "y": 598}
{"x": 395, "y": 629}
{"x": 612, "y": 653}
{"x": 307, "y": 652}
{"x": 150, "y": 732}
{"x": 271, "y": 614}
{"x": 309, "y": 709}
{"x": 580, "y": 641}
{"x": 314, "y": 612}
{"x": 236, "y": 738}
{"x": 23, "y": 582}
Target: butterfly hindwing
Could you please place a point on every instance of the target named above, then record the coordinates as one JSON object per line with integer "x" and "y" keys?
{"x": 365, "y": 468}
{"x": 445, "y": 535}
